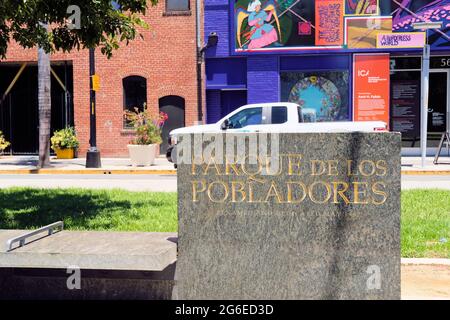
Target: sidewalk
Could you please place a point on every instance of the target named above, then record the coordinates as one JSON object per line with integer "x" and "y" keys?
{"x": 27, "y": 165}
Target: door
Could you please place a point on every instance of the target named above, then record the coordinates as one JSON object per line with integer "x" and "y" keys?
{"x": 174, "y": 107}
{"x": 437, "y": 106}
{"x": 19, "y": 111}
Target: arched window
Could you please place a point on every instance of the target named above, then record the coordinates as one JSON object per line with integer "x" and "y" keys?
{"x": 134, "y": 93}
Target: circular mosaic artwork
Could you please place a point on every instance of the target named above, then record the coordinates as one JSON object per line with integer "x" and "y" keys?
{"x": 318, "y": 96}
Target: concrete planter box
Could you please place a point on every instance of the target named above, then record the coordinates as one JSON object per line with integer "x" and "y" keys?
{"x": 142, "y": 155}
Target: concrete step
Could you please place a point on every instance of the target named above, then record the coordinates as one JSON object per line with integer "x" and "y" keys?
{"x": 96, "y": 250}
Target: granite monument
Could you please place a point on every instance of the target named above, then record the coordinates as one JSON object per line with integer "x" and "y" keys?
{"x": 289, "y": 216}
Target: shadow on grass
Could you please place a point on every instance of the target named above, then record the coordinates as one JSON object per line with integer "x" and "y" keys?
{"x": 32, "y": 208}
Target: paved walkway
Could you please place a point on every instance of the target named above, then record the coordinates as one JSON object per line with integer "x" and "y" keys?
{"x": 413, "y": 165}
{"x": 27, "y": 164}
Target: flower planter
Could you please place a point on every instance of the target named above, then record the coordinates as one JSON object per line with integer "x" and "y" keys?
{"x": 142, "y": 155}
{"x": 65, "y": 153}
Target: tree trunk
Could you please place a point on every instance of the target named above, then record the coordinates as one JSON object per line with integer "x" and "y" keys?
{"x": 45, "y": 107}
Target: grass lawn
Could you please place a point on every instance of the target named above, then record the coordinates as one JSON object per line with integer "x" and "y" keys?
{"x": 425, "y": 221}
{"x": 425, "y": 214}
{"x": 113, "y": 210}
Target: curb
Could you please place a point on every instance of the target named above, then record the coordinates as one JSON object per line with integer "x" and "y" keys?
{"x": 425, "y": 173}
{"x": 89, "y": 171}
{"x": 163, "y": 171}
{"x": 425, "y": 261}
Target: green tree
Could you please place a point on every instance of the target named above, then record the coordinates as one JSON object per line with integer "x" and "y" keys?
{"x": 50, "y": 26}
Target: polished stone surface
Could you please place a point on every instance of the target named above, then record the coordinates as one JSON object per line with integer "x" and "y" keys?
{"x": 326, "y": 227}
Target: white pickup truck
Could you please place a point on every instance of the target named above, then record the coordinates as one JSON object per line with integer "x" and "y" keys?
{"x": 274, "y": 117}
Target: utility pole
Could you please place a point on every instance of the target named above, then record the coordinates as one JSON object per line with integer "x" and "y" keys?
{"x": 93, "y": 155}
{"x": 425, "y": 86}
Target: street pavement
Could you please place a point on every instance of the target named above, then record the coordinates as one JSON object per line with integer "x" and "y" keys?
{"x": 164, "y": 183}
{"x": 132, "y": 182}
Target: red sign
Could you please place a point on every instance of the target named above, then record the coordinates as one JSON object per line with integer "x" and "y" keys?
{"x": 371, "y": 87}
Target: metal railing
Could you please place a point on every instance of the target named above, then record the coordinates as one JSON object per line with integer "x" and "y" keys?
{"x": 21, "y": 239}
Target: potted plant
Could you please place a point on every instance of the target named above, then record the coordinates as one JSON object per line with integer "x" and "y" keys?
{"x": 148, "y": 127}
{"x": 3, "y": 143}
{"x": 64, "y": 143}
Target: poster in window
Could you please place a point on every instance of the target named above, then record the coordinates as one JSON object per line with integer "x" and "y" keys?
{"x": 323, "y": 96}
{"x": 405, "y": 107}
{"x": 371, "y": 87}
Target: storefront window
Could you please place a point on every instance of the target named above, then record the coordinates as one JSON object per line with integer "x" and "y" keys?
{"x": 406, "y": 99}
{"x": 323, "y": 96}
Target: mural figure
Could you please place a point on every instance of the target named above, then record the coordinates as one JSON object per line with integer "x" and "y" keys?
{"x": 262, "y": 33}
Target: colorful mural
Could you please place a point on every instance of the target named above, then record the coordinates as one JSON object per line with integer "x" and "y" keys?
{"x": 271, "y": 24}
{"x": 407, "y": 12}
{"x": 361, "y": 7}
{"x": 276, "y": 25}
{"x": 362, "y": 32}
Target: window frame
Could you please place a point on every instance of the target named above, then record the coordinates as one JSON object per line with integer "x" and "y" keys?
{"x": 181, "y": 12}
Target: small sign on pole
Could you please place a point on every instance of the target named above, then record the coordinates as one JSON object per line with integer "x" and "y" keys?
{"x": 95, "y": 82}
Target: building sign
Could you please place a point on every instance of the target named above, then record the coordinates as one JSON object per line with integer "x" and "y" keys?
{"x": 329, "y": 23}
{"x": 371, "y": 87}
{"x": 401, "y": 40}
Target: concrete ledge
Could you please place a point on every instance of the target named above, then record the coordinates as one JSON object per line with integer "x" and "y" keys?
{"x": 92, "y": 250}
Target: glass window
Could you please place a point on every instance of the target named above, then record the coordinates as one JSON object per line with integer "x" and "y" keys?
{"x": 279, "y": 115}
{"x": 134, "y": 93}
{"x": 177, "y": 5}
{"x": 300, "y": 115}
{"x": 246, "y": 117}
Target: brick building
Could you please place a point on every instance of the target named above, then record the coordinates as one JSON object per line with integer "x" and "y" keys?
{"x": 159, "y": 70}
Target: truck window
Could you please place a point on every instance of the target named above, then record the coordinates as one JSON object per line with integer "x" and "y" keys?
{"x": 279, "y": 115}
{"x": 246, "y": 117}
{"x": 300, "y": 115}
{"x": 307, "y": 115}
